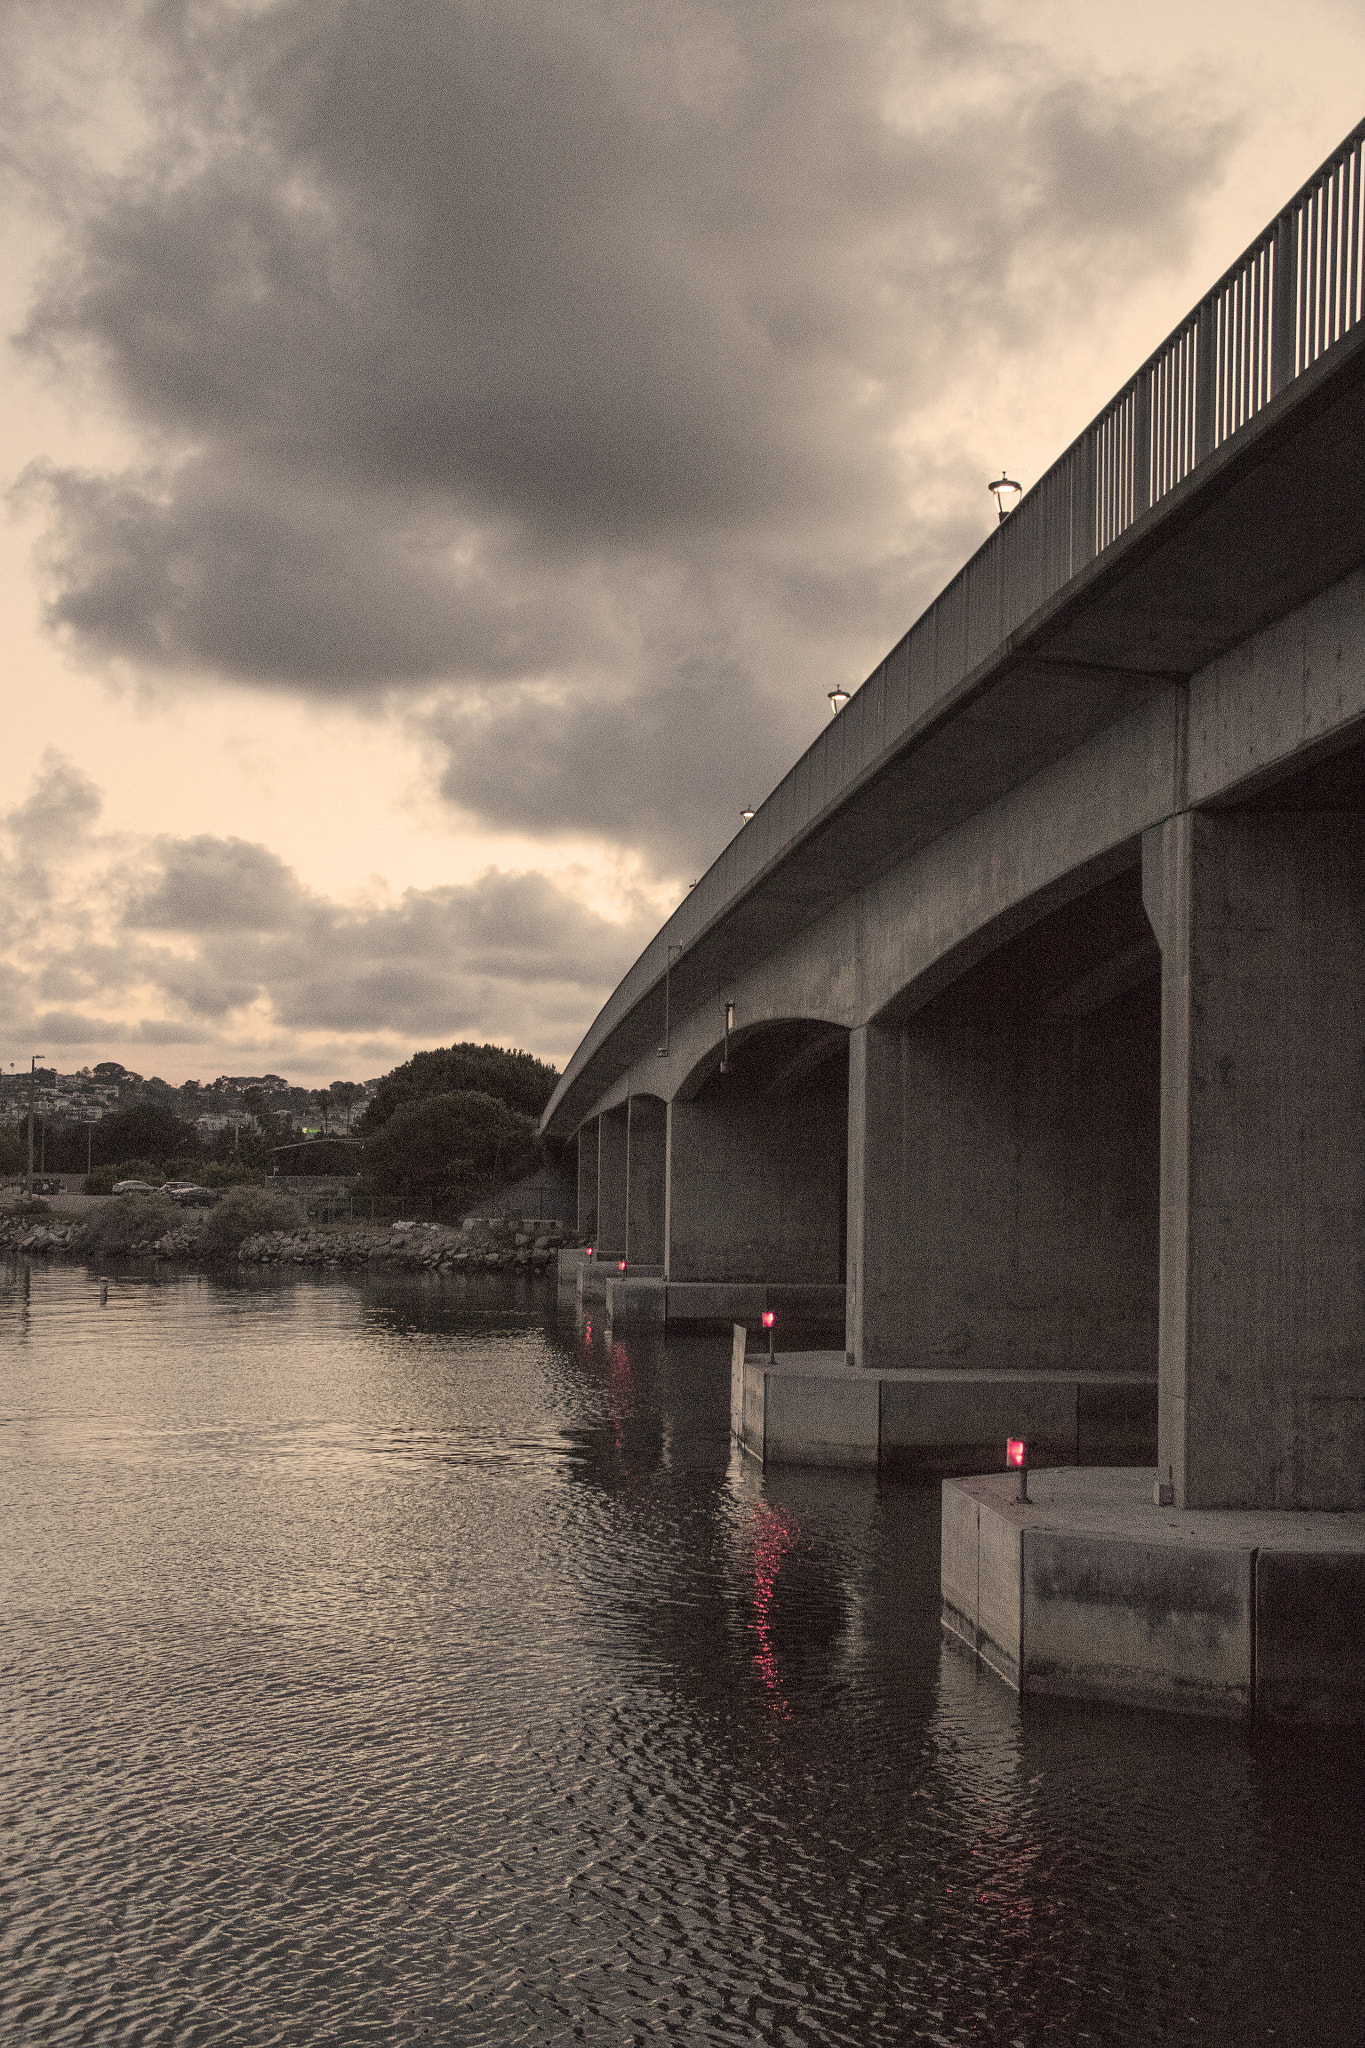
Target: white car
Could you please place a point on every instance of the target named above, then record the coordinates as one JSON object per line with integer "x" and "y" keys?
{"x": 134, "y": 1187}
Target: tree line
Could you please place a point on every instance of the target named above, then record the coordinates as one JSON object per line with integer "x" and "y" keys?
{"x": 447, "y": 1127}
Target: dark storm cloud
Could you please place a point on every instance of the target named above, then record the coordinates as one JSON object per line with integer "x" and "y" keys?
{"x": 509, "y": 344}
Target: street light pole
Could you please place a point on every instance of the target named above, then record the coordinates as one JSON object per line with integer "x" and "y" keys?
{"x": 32, "y": 1084}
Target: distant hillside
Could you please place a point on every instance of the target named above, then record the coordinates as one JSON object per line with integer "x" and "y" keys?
{"x": 515, "y": 1078}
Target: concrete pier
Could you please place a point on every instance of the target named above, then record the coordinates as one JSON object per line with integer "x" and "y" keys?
{"x": 1090, "y": 1592}
{"x": 812, "y": 1408}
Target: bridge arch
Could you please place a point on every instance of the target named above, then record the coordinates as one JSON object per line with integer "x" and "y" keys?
{"x": 1004, "y": 1150}
{"x": 758, "y": 1157}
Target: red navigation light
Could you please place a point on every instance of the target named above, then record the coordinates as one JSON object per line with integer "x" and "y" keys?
{"x": 1016, "y": 1453}
{"x": 620, "y": 1265}
{"x": 768, "y": 1319}
{"x": 589, "y": 1251}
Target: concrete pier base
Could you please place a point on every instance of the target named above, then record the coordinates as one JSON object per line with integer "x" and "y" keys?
{"x": 813, "y": 1408}
{"x": 1091, "y": 1592}
{"x": 641, "y": 1294}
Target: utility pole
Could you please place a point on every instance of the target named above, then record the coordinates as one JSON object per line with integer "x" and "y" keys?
{"x": 32, "y": 1085}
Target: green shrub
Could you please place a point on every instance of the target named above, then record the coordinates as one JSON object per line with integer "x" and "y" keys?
{"x": 130, "y": 1220}
{"x": 242, "y": 1213}
{"x": 103, "y": 1178}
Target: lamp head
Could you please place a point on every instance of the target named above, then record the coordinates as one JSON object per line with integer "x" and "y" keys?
{"x": 1006, "y": 493}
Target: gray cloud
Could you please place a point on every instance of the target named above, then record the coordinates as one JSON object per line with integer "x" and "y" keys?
{"x": 523, "y": 349}
{"x": 215, "y": 942}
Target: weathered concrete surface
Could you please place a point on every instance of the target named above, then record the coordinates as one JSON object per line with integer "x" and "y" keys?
{"x": 1091, "y": 1592}
{"x": 637, "y": 1299}
{"x": 645, "y": 1296}
{"x": 1003, "y": 1157}
{"x": 721, "y": 1301}
{"x": 569, "y": 1260}
{"x": 587, "y": 1180}
{"x": 815, "y": 1408}
{"x": 613, "y": 1131}
{"x": 756, "y": 1178}
{"x": 646, "y": 1171}
{"x": 1262, "y": 1348}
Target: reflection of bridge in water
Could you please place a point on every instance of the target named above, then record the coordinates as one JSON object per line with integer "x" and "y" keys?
{"x": 1030, "y": 1007}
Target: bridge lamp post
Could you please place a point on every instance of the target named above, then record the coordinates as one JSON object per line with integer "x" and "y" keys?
{"x": 746, "y": 816}
{"x": 1006, "y": 493}
{"x": 837, "y": 700}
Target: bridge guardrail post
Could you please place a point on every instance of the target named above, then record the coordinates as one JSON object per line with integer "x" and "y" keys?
{"x": 1142, "y": 443}
{"x": 1206, "y": 381}
{"x": 1083, "y": 501}
{"x": 1284, "y": 288}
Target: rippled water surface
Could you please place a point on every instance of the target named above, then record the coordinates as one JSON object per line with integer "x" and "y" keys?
{"x": 390, "y": 1663}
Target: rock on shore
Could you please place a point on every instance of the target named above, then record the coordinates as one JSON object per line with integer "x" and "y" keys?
{"x": 487, "y": 1245}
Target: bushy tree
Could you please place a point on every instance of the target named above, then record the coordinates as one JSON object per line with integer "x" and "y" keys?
{"x": 516, "y": 1079}
{"x": 449, "y": 1148}
{"x": 245, "y": 1212}
{"x": 146, "y": 1130}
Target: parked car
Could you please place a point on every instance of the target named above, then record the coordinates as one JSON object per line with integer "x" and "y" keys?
{"x": 190, "y": 1195}
{"x": 135, "y": 1187}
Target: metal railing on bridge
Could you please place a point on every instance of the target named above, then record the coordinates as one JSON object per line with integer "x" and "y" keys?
{"x": 1282, "y": 304}
{"x": 1295, "y": 292}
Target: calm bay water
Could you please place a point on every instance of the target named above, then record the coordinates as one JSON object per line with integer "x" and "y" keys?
{"x": 389, "y": 1663}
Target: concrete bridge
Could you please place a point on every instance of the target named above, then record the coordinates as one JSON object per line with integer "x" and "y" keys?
{"x": 1030, "y": 1006}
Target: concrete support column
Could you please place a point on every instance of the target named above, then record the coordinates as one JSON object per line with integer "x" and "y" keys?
{"x": 1261, "y": 921}
{"x": 876, "y": 1183}
{"x": 1002, "y": 1182}
{"x": 755, "y": 1183}
{"x": 587, "y": 1180}
{"x": 612, "y": 1166}
{"x": 646, "y": 1138}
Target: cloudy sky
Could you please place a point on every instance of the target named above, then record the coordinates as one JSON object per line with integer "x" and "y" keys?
{"x": 452, "y": 446}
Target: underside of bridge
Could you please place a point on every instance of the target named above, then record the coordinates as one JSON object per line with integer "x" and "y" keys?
{"x": 742, "y": 1176}
{"x": 1004, "y": 1149}
{"x": 757, "y": 1175}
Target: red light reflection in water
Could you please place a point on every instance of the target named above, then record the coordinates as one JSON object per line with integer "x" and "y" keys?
{"x": 773, "y": 1538}
{"x": 622, "y": 1387}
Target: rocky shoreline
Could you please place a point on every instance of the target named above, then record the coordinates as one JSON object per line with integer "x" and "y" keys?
{"x": 480, "y": 1245}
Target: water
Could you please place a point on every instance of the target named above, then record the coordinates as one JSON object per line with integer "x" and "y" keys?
{"x": 386, "y": 1663}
